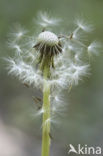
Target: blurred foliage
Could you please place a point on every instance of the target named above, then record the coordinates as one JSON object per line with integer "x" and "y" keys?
{"x": 83, "y": 122}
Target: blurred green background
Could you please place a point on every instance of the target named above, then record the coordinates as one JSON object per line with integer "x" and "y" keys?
{"x": 20, "y": 131}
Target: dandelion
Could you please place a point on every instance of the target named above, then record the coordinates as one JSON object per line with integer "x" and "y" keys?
{"x": 51, "y": 62}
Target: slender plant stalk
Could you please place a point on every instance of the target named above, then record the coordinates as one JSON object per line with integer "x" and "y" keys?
{"x": 46, "y": 115}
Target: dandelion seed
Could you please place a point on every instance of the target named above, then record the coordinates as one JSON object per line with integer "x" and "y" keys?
{"x": 18, "y": 49}
{"x": 45, "y": 20}
{"x": 83, "y": 25}
{"x": 94, "y": 48}
{"x": 17, "y": 32}
{"x": 40, "y": 112}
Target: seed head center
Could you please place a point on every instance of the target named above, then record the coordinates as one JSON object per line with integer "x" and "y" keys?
{"x": 48, "y": 38}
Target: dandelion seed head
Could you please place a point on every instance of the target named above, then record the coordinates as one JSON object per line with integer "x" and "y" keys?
{"x": 48, "y": 38}
{"x": 64, "y": 55}
{"x": 48, "y": 45}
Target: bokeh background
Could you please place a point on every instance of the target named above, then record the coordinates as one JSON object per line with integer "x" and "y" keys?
{"x": 20, "y": 131}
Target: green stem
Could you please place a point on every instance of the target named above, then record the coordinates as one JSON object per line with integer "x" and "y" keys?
{"x": 46, "y": 115}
